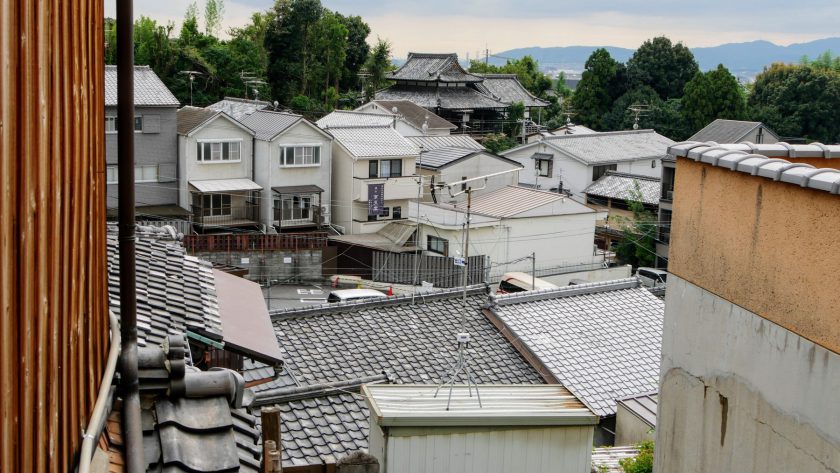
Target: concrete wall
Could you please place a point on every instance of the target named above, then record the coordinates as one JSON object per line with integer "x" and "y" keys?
{"x": 150, "y": 148}
{"x": 475, "y": 166}
{"x": 595, "y": 275}
{"x": 305, "y": 265}
{"x": 629, "y": 429}
{"x": 740, "y": 393}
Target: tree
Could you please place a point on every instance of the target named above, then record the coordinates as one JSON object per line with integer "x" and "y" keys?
{"x": 663, "y": 66}
{"x": 560, "y": 88}
{"x": 642, "y": 462}
{"x": 327, "y": 55}
{"x": 527, "y": 70}
{"x": 214, "y": 12}
{"x": 356, "y": 53}
{"x": 378, "y": 65}
{"x": 498, "y": 142}
{"x": 515, "y": 115}
{"x": 621, "y": 118}
{"x": 713, "y": 94}
{"x": 638, "y": 245}
{"x": 287, "y": 41}
{"x": 597, "y": 88}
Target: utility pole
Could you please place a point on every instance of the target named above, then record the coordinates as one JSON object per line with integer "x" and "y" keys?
{"x": 533, "y": 271}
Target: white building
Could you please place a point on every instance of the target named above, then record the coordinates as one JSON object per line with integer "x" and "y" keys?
{"x": 572, "y": 162}
{"x": 293, "y": 165}
{"x": 511, "y": 223}
{"x": 216, "y": 166}
{"x": 456, "y": 164}
{"x": 418, "y": 120}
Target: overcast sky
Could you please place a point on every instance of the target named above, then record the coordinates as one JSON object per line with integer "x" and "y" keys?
{"x": 466, "y": 26}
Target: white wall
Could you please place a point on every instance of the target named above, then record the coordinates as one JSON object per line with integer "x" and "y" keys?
{"x": 342, "y": 188}
{"x": 478, "y": 165}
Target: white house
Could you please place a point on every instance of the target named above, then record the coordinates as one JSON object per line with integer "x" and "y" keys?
{"x": 418, "y": 120}
{"x": 454, "y": 164}
{"x": 508, "y": 224}
{"x": 216, "y": 166}
{"x": 293, "y": 165}
{"x": 371, "y": 158}
{"x": 571, "y": 162}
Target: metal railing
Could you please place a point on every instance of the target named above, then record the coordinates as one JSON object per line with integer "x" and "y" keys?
{"x": 227, "y": 216}
{"x": 255, "y": 241}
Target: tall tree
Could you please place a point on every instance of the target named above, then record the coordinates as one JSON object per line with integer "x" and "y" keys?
{"x": 527, "y": 70}
{"x": 378, "y": 65}
{"x": 713, "y": 94}
{"x": 214, "y": 12}
{"x": 664, "y": 116}
{"x": 597, "y": 88}
{"x": 288, "y": 41}
{"x": 357, "y": 51}
{"x": 638, "y": 245}
{"x": 328, "y": 53}
{"x": 663, "y": 66}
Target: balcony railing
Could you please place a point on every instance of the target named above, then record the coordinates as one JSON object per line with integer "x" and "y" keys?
{"x": 313, "y": 219}
{"x": 247, "y": 214}
{"x": 254, "y": 241}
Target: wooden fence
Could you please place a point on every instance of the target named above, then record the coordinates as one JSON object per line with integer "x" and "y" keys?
{"x": 255, "y": 241}
{"x": 439, "y": 270}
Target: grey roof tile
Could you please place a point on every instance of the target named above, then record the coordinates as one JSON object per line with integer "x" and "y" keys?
{"x": 149, "y": 90}
{"x": 428, "y": 143}
{"x": 616, "y": 185}
{"x": 415, "y": 114}
{"x": 609, "y": 147}
{"x": 348, "y": 118}
{"x": 727, "y": 131}
{"x": 267, "y": 124}
{"x": 432, "y": 67}
{"x": 449, "y": 98}
{"x": 238, "y": 108}
{"x": 374, "y": 141}
{"x": 507, "y": 88}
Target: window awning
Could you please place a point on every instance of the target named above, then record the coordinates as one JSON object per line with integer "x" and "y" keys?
{"x": 225, "y": 185}
{"x": 542, "y": 156}
{"x": 305, "y": 189}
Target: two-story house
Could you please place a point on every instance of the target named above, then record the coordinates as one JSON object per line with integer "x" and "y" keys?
{"x": 215, "y": 159}
{"x": 373, "y": 177}
{"x": 570, "y": 163}
{"x": 293, "y": 165}
{"x": 155, "y": 143}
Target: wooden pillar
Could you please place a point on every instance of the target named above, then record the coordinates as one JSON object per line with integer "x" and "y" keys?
{"x": 271, "y": 439}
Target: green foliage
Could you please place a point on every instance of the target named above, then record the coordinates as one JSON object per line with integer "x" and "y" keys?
{"x": 600, "y": 85}
{"x": 378, "y": 64}
{"x": 825, "y": 60}
{"x": 214, "y": 12}
{"x": 516, "y": 112}
{"x": 711, "y": 95}
{"x": 498, "y": 142}
{"x": 327, "y": 56}
{"x": 560, "y": 88}
{"x": 798, "y": 102}
{"x": 301, "y": 103}
{"x": 638, "y": 245}
{"x": 288, "y": 41}
{"x": 356, "y": 53}
{"x": 663, "y": 66}
{"x": 527, "y": 70}
{"x": 642, "y": 462}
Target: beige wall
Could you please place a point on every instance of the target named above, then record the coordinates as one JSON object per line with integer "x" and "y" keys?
{"x": 770, "y": 247}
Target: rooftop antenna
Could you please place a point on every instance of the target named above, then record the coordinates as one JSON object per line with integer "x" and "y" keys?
{"x": 254, "y": 84}
{"x": 569, "y": 113}
{"x": 192, "y": 75}
{"x": 425, "y": 125}
{"x": 639, "y": 110}
{"x": 246, "y": 76}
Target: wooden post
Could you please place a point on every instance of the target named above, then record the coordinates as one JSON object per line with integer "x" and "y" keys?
{"x": 271, "y": 439}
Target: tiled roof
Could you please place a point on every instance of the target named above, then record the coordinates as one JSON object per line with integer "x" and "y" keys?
{"x": 372, "y": 142}
{"x": 175, "y": 291}
{"x": 432, "y": 67}
{"x": 510, "y": 201}
{"x": 610, "y": 147}
{"x": 643, "y": 406}
{"x": 190, "y": 118}
{"x": 345, "y": 118}
{"x": 448, "y": 98}
{"x": 149, "y": 90}
{"x": 238, "y": 108}
{"x": 618, "y": 185}
{"x": 600, "y": 340}
{"x": 572, "y": 129}
{"x": 267, "y": 125}
{"x": 727, "y": 131}
{"x": 428, "y": 143}
{"x": 439, "y": 157}
{"x": 767, "y": 161}
{"x": 415, "y": 114}
{"x": 507, "y": 88}
{"x": 606, "y": 459}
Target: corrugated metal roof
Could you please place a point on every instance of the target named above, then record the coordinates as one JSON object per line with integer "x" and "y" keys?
{"x": 238, "y": 108}
{"x": 267, "y": 124}
{"x": 189, "y": 118}
{"x": 642, "y": 406}
{"x": 618, "y": 185}
{"x": 415, "y": 114}
{"x": 447, "y": 98}
{"x": 728, "y": 131}
{"x": 372, "y": 142}
{"x": 600, "y": 340}
{"x": 346, "y": 118}
{"x": 510, "y": 201}
{"x": 765, "y": 160}
{"x": 149, "y": 90}
{"x": 610, "y": 147}
{"x": 507, "y": 88}
{"x": 432, "y": 67}
{"x": 428, "y": 143}
{"x": 501, "y": 405}
{"x": 606, "y": 459}
{"x": 225, "y": 185}
{"x": 442, "y": 156}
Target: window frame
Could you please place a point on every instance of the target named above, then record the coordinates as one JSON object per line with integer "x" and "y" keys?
{"x": 430, "y": 239}
{"x": 111, "y": 119}
{"x": 220, "y": 207}
{"x": 603, "y": 168}
{"x": 313, "y": 148}
{"x": 201, "y": 145}
{"x": 549, "y": 168}
{"x": 137, "y": 171}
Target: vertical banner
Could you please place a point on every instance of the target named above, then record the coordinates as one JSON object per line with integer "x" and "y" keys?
{"x": 376, "y": 199}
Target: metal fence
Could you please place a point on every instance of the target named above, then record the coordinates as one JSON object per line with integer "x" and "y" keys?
{"x": 441, "y": 271}
{"x": 255, "y": 241}
{"x": 182, "y": 226}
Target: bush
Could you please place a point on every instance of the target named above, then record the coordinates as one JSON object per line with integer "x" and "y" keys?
{"x": 642, "y": 462}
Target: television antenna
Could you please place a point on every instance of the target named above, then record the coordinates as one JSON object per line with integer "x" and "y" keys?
{"x": 568, "y": 113}
{"x": 192, "y": 75}
{"x": 255, "y": 84}
{"x": 639, "y": 110}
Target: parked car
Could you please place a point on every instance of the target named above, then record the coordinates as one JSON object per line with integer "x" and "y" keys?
{"x": 519, "y": 282}
{"x": 652, "y": 277}
{"x": 354, "y": 295}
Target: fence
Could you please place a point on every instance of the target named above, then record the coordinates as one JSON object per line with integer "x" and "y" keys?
{"x": 182, "y": 226}
{"x": 439, "y": 270}
{"x": 255, "y": 241}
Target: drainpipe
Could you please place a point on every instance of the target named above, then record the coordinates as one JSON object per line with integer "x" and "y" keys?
{"x": 129, "y": 384}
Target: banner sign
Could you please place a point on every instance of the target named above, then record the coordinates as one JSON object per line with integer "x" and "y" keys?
{"x": 376, "y": 199}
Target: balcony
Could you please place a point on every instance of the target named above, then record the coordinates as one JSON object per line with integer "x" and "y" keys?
{"x": 396, "y": 188}
{"x": 245, "y": 215}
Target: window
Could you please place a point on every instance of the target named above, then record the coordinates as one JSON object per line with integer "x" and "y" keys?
{"x": 215, "y": 204}
{"x": 437, "y": 245}
{"x": 386, "y": 212}
{"x": 653, "y": 164}
{"x": 598, "y": 171}
{"x": 373, "y": 168}
{"x": 390, "y": 168}
{"x": 463, "y": 184}
{"x": 544, "y": 167}
{"x": 295, "y": 207}
{"x": 147, "y": 173}
{"x": 218, "y": 151}
{"x": 138, "y": 123}
{"x": 397, "y": 213}
{"x": 300, "y": 156}
{"x": 110, "y": 124}
{"x": 111, "y": 175}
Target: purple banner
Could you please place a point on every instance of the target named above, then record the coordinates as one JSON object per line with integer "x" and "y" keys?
{"x": 376, "y": 199}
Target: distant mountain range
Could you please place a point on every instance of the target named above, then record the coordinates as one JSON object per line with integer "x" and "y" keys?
{"x": 742, "y": 59}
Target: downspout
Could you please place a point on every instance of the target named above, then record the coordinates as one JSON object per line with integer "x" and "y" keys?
{"x": 129, "y": 382}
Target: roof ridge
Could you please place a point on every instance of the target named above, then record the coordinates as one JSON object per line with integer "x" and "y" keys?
{"x": 640, "y": 177}
{"x": 568, "y": 291}
{"x": 601, "y": 134}
{"x": 297, "y": 393}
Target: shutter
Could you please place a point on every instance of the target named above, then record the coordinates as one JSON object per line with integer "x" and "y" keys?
{"x": 151, "y": 123}
{"x": 167, "y": 172}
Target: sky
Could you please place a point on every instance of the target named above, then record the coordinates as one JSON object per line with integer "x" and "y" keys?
{"x": 470, "y": 26}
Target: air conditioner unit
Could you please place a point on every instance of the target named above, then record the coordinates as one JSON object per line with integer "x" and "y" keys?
{"x": 325, "y": 210}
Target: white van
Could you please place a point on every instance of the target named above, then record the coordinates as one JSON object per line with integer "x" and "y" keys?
{"x": 351, "y": 295}
{"x": 652, "y": 277}
{"x": 518, "y": 282}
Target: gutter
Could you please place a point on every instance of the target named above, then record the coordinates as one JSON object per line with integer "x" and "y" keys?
{"x": 129, "y": 378}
